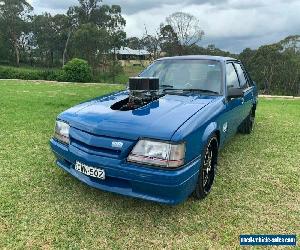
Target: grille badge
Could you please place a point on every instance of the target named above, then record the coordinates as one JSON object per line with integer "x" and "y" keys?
{"x": 117, "y": 144}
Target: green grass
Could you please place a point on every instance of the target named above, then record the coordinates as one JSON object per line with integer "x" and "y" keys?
{"x": 256, "y": 190}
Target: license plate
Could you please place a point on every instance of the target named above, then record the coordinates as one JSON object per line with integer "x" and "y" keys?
{"x": 90, "y": 171}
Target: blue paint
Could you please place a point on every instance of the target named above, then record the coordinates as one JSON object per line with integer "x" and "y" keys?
{"x": 96, "y": 129}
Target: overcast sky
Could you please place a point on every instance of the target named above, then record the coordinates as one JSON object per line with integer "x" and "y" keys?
{"x": 229, "y": 24}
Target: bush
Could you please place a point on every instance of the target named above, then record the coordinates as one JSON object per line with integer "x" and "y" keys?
{"x": 29, "y": 74}
{"x": 78, "y": 70}
{"x": 60, "y": 76}
{"x": 45, "y": 74}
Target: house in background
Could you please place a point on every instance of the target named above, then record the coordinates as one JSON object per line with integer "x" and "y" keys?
{"x": 131, "y": 57}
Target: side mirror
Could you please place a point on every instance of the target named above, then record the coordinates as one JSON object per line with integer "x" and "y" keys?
{"x": 235, "y": 93}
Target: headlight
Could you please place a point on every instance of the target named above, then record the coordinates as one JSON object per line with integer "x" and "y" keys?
{"x": 61, "y": 132}
{"x": 157, "y": 153}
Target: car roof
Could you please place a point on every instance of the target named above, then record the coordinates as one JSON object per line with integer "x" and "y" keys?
{"x": 199, "y": 57}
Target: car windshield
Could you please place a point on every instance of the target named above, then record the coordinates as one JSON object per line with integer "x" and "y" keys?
{"x": 187, "y": 75}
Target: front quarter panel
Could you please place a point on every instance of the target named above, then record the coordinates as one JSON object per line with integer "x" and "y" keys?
{"x": 197, "y": 130}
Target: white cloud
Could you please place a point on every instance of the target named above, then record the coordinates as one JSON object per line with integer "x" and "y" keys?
{"x": 230, "y": 24}
{"x": 150, "y": 19}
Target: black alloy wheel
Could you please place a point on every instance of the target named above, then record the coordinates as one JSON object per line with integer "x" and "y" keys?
{"x": 208, "y": 169}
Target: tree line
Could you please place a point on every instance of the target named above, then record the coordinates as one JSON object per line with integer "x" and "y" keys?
{"x": 275, "y": 67}
{"x": 89, "y": 31}
{"x": 94, "y": 31}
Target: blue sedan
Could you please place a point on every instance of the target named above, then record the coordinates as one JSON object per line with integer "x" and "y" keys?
{"x": 159, "y": 139}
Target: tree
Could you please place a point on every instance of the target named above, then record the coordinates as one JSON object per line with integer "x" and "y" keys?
{"x": 4, "y": 45}
{"x": 43, "y": 31}
{"x": 117, "y": 40}
{"x": 169, "y": 40}
{"x": 291, "y": 44}
{"x": 152, "y": 45}
{"x": 275, "y": 67}
{"x": 51, "y": 34}
{"x": 84, "y": 12}
{"x": 114, "y": 23}
{"x": 134, "y": 43}
{"x": 186, "y": 27}
{"x": 105, "y": 24}
{"x": 103, "y": 16}
{"x": 247, "y": 56}
{"x": 63, "y": 27}
{"x": 88, "y": 42}
{"x": 291, "y": 50}
{"x": 14, "y": 15}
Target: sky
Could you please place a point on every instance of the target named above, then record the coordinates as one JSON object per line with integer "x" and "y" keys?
{"x": 231, "y": 25}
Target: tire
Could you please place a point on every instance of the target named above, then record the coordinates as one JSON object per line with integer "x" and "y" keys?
{"x": 247, "y": 125}
{"x": 208, "y": 169}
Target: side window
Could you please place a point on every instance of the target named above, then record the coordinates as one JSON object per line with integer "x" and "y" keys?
{"x": 231, "y": 77}
{"x": 250, "y": 82}
{"x": 242, "y": 76}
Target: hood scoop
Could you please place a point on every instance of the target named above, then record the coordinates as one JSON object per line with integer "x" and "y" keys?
{"x": 142, "y": 91}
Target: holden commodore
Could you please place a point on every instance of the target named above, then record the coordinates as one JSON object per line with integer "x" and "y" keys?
{"x": 159, "y": 139}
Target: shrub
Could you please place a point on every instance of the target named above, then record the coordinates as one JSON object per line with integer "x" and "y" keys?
{"x": 29, "y": 74}
{"x": 6, "y": 73}
{"x": 61, "y": 76}
{"x": 54, "y": 75}
{"x": 78, "y": 70}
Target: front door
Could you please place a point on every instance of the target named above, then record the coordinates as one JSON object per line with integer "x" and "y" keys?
{"x": 234, "y": 107}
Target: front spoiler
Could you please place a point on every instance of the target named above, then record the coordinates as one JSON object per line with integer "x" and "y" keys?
{"x": 164, "y": 186}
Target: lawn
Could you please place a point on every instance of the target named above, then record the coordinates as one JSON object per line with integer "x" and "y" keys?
{"x": 256, "y": 191}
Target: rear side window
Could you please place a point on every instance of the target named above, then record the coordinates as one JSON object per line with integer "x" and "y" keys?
{"x": 242, "y": 76}
{"x": 231, "y": 76}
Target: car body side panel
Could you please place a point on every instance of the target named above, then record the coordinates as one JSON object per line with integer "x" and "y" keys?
{"x": 248, "y": 101}
{"x": 197, "y": 129}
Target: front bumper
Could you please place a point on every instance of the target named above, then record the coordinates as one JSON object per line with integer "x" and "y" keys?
{"x": 164, "y": 186}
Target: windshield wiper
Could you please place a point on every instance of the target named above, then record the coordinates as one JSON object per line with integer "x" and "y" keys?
{"x": 191, "y": 90}
{"x": 201, "y": 90}
{"x": 166, "y": 86}
{"x": 172, "y": 90}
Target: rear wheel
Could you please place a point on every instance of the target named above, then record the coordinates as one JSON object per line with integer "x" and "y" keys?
{"x": 208, "y": 169}
{"x": 247, "y": 125}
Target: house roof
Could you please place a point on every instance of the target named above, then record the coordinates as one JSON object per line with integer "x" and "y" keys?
{"x": 129, "y": 51}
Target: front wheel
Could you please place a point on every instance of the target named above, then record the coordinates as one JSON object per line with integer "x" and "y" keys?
{"x": 208, "y": 169}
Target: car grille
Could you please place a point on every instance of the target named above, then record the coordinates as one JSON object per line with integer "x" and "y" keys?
{"x": 100, "y": 145}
